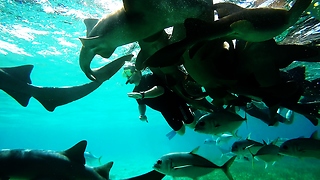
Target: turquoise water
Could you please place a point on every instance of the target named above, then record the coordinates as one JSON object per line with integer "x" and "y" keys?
{"x": 45, "y": 34}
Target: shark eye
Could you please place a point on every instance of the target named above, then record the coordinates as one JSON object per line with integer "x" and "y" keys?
{"x": 159, "y": 162}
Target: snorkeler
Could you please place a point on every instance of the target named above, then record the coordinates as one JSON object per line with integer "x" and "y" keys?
{"x": 150, "y": 91}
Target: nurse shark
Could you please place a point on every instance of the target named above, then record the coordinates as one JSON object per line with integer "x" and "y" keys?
{"x": 135, "y": 21}
{"x": 16, "y": 82}
{"x": 54, "y": 165}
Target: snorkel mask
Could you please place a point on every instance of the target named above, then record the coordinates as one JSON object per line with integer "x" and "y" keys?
{"x": 128, "y": 71}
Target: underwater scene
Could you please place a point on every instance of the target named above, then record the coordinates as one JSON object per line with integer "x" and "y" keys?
{"x": 239, "y": 81}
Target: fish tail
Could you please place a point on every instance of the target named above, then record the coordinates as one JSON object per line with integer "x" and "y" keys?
{"x": 21, "y": 73}
{"x": 310, "y": 110}
{"x": 297, "y": 9}
{"x": 226, "y": 166}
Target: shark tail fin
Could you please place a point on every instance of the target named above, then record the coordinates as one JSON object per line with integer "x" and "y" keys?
{"x": 22, "y": 73}
{"x": 226, "y": 166}
{"x": 52, "y": 97}
{"x": 104, "y": 170}
{"x": 310, "y": 110}
{"x": 297, "y": 9}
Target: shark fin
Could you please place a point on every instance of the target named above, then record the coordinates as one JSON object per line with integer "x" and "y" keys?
{"x": 195, "y": 150}
{"x": 92, "y": 42}
{"x": 75, "y": 153}
{"x": 106, "y": 72}
{"x": 154, "y": 175}
{"x": 297, "y": 9}
{"x": 226, "y": 9}
{"x": 104, "y": 169}
{"x": 226, "y": 166}
{"x": 314, "y": 135}
{"x": 90, "y": 23}
{"x": 141, "y": 58}
{"x": 21, "y": 73}
{"x": 242, "y": 26}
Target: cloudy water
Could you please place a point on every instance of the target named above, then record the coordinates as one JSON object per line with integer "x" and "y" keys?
{"x": 45, "y": 34}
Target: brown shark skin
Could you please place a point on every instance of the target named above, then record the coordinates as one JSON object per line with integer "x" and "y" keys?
{"x": 17, "y": 83}
{"x": 133, "y": 23}
{"x": 37, "y": 164}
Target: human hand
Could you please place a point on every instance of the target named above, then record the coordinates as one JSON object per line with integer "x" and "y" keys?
{"x": 143, "y": 118}
{"x": 135, "y": 95}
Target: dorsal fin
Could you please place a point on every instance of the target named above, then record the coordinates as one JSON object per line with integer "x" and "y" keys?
{"x": 264, "y": 142}
{"x": 274, "y": 142}
{"x": 314, "y": 135}
{"x": 75, "y": 153}
{"x": 195, "y": 150}
{"x": 104, "y": 170}
{"x": 248, "y": 137}
{"x": 20, "y": 72}
{"x": 225, "y": 9}
{"x": 90, "y": 23}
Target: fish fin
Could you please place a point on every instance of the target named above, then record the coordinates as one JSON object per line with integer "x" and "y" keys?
{"x": 171, "y": 134}
{"x": 76, "y": 152}
{"x": 309, "y": 110}
{"x": 90, "y": 23}
{"x": 226, "y": 9}
{"x": 182, "y": 167}
{"x": 141, "y": 58}
{"x": 21, "y": 98}
{"x": 154, "y": 175}
{"x": 253, "y": 156}
{"x": 226, "y": 166}
{"x": 195, "y": 150}
{"x": 99, "y": 160}
{"x": 52, "y": 97}
{"x": 297, "y": 9}
{"x": 167, "y": 56}
{"x": 314, "y": 135}
{"x": 21, "y": 73}
{"x": 93, "y": 42}
{"x": 274, "y": 142}
{"x": 242, "y": 26}
{"x": 106, "y": 72}
{"x": 249, "y": 136}
{"x": 264, "y": 142}
{"x": 266, "y": 165}
{"x": 298, "y": 73}
{"x": 104, "y": 169}
{"x": 236, "y": 134}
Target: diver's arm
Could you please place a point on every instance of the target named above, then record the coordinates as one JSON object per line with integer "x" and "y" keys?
{"x": 153, "y": 92}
